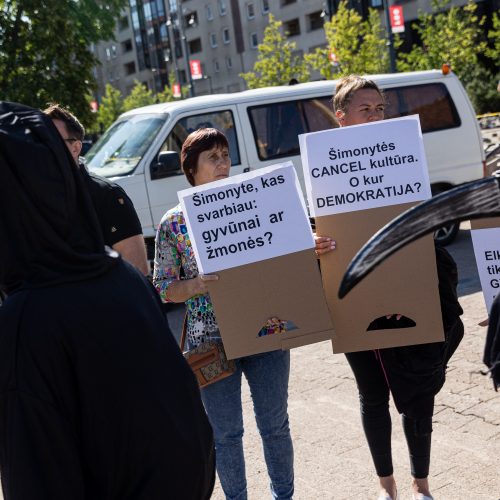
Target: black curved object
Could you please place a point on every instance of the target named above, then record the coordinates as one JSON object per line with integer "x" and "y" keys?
{"x": 473, "y": 200}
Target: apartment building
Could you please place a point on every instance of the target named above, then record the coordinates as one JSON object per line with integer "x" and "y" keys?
{"x": 154, "y": 38}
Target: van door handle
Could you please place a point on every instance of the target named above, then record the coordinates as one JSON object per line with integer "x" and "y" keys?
{"x": 246, "y": 169}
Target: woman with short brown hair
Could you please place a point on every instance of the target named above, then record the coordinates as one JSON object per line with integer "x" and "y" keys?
{"x": 204, "y": 159}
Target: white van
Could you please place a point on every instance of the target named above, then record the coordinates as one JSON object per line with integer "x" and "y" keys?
{"x": 262, "y": 126}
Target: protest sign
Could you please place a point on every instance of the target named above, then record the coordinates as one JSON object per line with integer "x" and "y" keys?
{"x": 358, "y": 179}
{"x": 365, "y": 166}
{"x": 485, "y": 235}
{"x": 253, "y": 231}
{"x": 246, "y": 218}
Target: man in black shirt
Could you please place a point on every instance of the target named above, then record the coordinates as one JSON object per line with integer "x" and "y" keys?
{"x": 121, "y": 229}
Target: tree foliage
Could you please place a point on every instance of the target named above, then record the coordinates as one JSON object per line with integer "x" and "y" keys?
{"x": 494, "y": 35}
{"x": 111, "y": 107}
{"x": 167, "y": 95}
{"x": 138, "y": 97}
{"x": 44, "y": 50}
{"x": 275, "y": 63}
{"x": 456, "y": 35}
{"x": 453, "y": 36}
{"x": 359, "y": 45}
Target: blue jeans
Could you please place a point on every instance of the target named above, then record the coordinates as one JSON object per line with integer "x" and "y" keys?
{"x": 267, "y": 375}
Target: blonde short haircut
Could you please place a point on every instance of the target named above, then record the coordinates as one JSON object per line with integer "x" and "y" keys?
{"x": 347, "y": 87}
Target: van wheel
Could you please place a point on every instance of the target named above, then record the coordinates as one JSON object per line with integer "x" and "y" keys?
{"x": 446, "y": 234}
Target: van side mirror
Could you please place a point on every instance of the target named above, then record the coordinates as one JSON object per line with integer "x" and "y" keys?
{"x": 167, "y": 164}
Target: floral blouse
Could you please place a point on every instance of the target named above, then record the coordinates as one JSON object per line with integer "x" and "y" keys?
{"x": 174, "y": 260}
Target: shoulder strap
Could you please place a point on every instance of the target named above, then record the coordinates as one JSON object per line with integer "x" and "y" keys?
{"x": 183, "y": 336}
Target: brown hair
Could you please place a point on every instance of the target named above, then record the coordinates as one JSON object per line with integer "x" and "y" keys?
{"x": 347, "y": 86}
{"x": 196, "y": 142}
{"x": 73, "y": 126}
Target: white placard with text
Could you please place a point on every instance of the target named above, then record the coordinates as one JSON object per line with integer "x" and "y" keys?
{"x": 365, "y": 166}
{"x": 486, "y": 244}
{"x": 247, "y": 218}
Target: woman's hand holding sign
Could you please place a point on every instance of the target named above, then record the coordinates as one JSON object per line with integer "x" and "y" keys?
{"x": 182, "y": 290}
{"x": 324, "y": 244}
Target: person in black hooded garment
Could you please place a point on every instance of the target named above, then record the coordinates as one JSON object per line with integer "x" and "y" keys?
{"x": 491, "y": 356}
{"x": 96, "y": 399}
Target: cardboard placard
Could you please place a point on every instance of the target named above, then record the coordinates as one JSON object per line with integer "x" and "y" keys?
{"x": 353, "y": 202}
{"x": 253, "y": 231}
{"x": 485, "y": 234}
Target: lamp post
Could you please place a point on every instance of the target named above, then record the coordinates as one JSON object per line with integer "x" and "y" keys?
{"x": 390, "y": 38}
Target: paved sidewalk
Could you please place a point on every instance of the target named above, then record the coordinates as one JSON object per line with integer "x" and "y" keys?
{"x": 331, "y": 456}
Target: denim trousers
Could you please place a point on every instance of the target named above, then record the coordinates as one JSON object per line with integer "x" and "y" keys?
{"x": 267, "y": 375}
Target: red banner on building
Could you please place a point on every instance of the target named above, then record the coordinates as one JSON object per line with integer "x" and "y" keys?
{"x": 176, "y": 90}
{"x": 332, "y": 56}
{"x": 397, "y": 20}
{"x": 195, "y": 66}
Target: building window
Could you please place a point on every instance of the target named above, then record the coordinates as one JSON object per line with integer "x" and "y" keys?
{"x": 250, "y": 10}
{"x": 113, "y": 51}
{"x": 209, "y": 12}
{"x": 254, "y": 41}
{"x": 292, "y": 27}
{"x": 376, "y": 3}
{"x": 225, "y": 35}
{"x": 315, "y": 20}
{"x": 265, "y": 6}
{"x": 129, "y": 68}
{"x": 287, "y": 2}
{"x": 127, "y": 46}
{"x": 213, "y": 40}
{"x": 191, "y": 20}
{"x": 108, "y": 53}
{"x": 222, "y": 7}
{"x": 216, "y": 66}
{"x": 229, "y": 63}
{"x": 123, "y": 23}
{"x": 195, "y": 46}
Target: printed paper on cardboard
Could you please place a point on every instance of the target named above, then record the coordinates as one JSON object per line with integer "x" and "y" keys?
{"x": 485, "y": 235}
{"x": 365, "y": 166}
{"x": 246, "y": 218}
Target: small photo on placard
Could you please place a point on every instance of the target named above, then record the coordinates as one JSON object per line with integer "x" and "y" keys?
{"x": 365, "y": 166}
{"x": 247, "y": 218}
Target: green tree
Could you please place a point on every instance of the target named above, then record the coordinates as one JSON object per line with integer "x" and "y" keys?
{"x": 494, "y": 35}
{"x": 167, "y": 95}
{"x": 453, "y": 36}
{"x": 44, "y": 50}
{"x": 275, "y": 64}
{"x": 359, "y": 45}
{"x": 111, "y": 107}
{"x": 138, "y": 97}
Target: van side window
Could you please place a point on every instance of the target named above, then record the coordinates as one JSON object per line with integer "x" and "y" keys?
{"x": 221, "y": 120}
{"x": 431, "y": 102}
{"x": 276, "y": 127}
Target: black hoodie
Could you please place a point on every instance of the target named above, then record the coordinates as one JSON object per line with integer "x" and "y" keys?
{"x": 96, "y": 400}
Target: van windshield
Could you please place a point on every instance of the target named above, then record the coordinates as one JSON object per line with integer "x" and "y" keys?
{"x": 123, "y": 145}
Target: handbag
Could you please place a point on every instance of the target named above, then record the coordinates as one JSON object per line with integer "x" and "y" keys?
{"x": 208, "y": 361}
